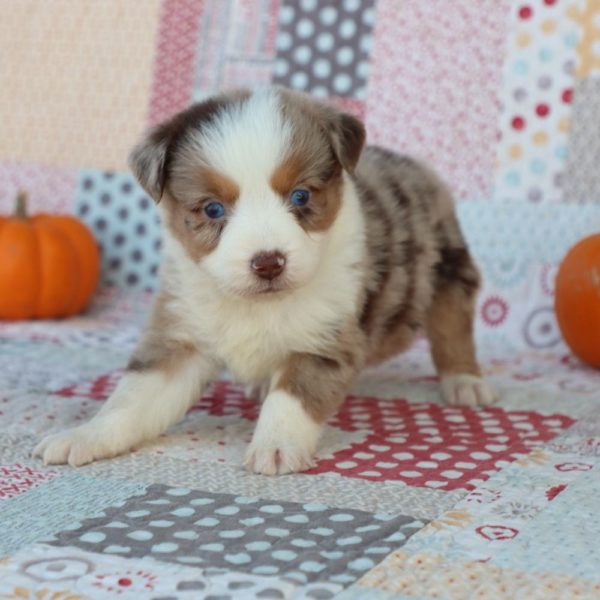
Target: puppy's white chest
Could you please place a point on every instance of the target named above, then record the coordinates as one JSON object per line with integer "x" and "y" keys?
{"x": 254, "y": 341}
{"x": 251, "y": 354}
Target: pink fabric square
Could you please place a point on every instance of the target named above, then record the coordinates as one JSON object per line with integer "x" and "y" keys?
{"x": 50, "y": 189}
{"x": 433, "y": 90}
{"x": 175, "y": 55}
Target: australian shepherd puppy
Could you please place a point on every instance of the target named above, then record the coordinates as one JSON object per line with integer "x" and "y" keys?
{"x": 294, "y": 257}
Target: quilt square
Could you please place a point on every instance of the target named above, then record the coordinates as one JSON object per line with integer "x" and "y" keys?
{"x": 582, "y": 177}
{"x": 126, "y": 224}
{"x": 418, "y": 444}
{"x": 17, "y": 479}
{"x": 427, "y": 445}
{"x": 323, "y": 47}
{"x": 303, "y": 542}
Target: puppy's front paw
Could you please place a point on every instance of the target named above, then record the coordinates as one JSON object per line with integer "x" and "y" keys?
{"x": 285, "y": 438}
{"x": 80, "y": 446}
{"x": 466, "y": 390}
{"x": 278, "y": 459}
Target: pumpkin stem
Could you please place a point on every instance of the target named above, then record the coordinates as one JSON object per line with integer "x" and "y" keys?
{"x": 21, "y": 205}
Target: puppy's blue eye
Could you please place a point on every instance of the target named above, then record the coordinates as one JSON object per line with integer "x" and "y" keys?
{"x": 214, "y": 210}
{"x": 299, "y": 197}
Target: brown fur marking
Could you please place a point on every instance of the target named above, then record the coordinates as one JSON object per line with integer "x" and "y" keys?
{"x": 320, "y": 381}
{"x": 344, "y": 134}
{"x": 427, "y": 257}
{"x": 152, "y": 159}
{"x": 381, "y": 263}
{"x": 319, "y": 386}
{"x": 198, "y": 234}
{"x": 449, "y": 325}
{"x": 159, "y": 349}
{"x": 324, "y": 184}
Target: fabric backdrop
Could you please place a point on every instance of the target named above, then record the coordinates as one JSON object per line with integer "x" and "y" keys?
{"x": 501, "y": 96}
{"x": 409, "y": 498}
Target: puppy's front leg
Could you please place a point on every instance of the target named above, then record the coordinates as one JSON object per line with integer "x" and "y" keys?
{"x": 302, "y": 396}
{"x": 144, "y": 404}
{"x": 164, "y": 377}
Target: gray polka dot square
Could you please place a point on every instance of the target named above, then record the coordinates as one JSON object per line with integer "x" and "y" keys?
{"x": 582, "y": 175}
{"x": 323, "y": 47}
{"x": 303, "y": 543}
{"x": 125, "y": 222}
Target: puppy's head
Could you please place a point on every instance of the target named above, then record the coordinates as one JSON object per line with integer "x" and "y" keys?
{"x": 251, "y": 183}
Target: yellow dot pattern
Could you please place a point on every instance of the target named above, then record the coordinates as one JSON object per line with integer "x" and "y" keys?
{"x": 540, "y": 138}
{"x": 588, "y": 49}
{"x": 431, "y": 576}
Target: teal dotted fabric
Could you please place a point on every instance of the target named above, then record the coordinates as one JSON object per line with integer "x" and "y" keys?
{"x": 513, "y": 232}
{"x": 126, "y": 224}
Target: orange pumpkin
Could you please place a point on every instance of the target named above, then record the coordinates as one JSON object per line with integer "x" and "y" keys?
{"x": 577, "y": 299}
{"x": 49, "y": 265}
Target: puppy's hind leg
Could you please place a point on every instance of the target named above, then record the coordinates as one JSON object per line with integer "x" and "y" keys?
{"x": 449, "y": 326}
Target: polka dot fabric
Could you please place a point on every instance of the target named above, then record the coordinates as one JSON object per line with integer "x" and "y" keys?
{"x": 536, "y": 99}
{"x": 422, "y": 445}
{"x": 582, "y": 176}
{"x": 432, "y": 446}
{"x": 126, "y": 224}
{"x": 305, "y": 543}
{"x": 323, "y": 47}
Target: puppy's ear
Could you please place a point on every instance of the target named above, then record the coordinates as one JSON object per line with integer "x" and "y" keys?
{"x": 151, "y": 159}
{"x": 148, "y": 160}
{"x": 348, "y": 138}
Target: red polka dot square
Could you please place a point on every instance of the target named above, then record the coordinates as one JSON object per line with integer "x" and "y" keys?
{"x": 427, "y": 445}
{"x": 422, "y": 445}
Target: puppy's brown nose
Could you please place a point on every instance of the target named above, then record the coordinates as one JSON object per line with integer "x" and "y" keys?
{"x": 268, "y": 265}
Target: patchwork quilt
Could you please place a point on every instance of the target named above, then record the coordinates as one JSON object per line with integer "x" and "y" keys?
{"x": 409, "y": 499}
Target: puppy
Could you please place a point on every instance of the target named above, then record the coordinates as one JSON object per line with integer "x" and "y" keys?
{"x": 293, "y": 258}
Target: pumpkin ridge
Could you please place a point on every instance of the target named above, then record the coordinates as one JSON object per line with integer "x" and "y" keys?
{"x": 58, "y": 276}
{"x": 19, "y": 269}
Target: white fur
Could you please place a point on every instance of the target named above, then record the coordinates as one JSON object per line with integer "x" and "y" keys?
{"x": 252, "y": 336}
{"x": 246, "y": 235}
{"x": 142, "y": 406}
{"x": 245, "y": 142}
{"x": 285, "y": 438}
{"x": 466, "y": 390}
